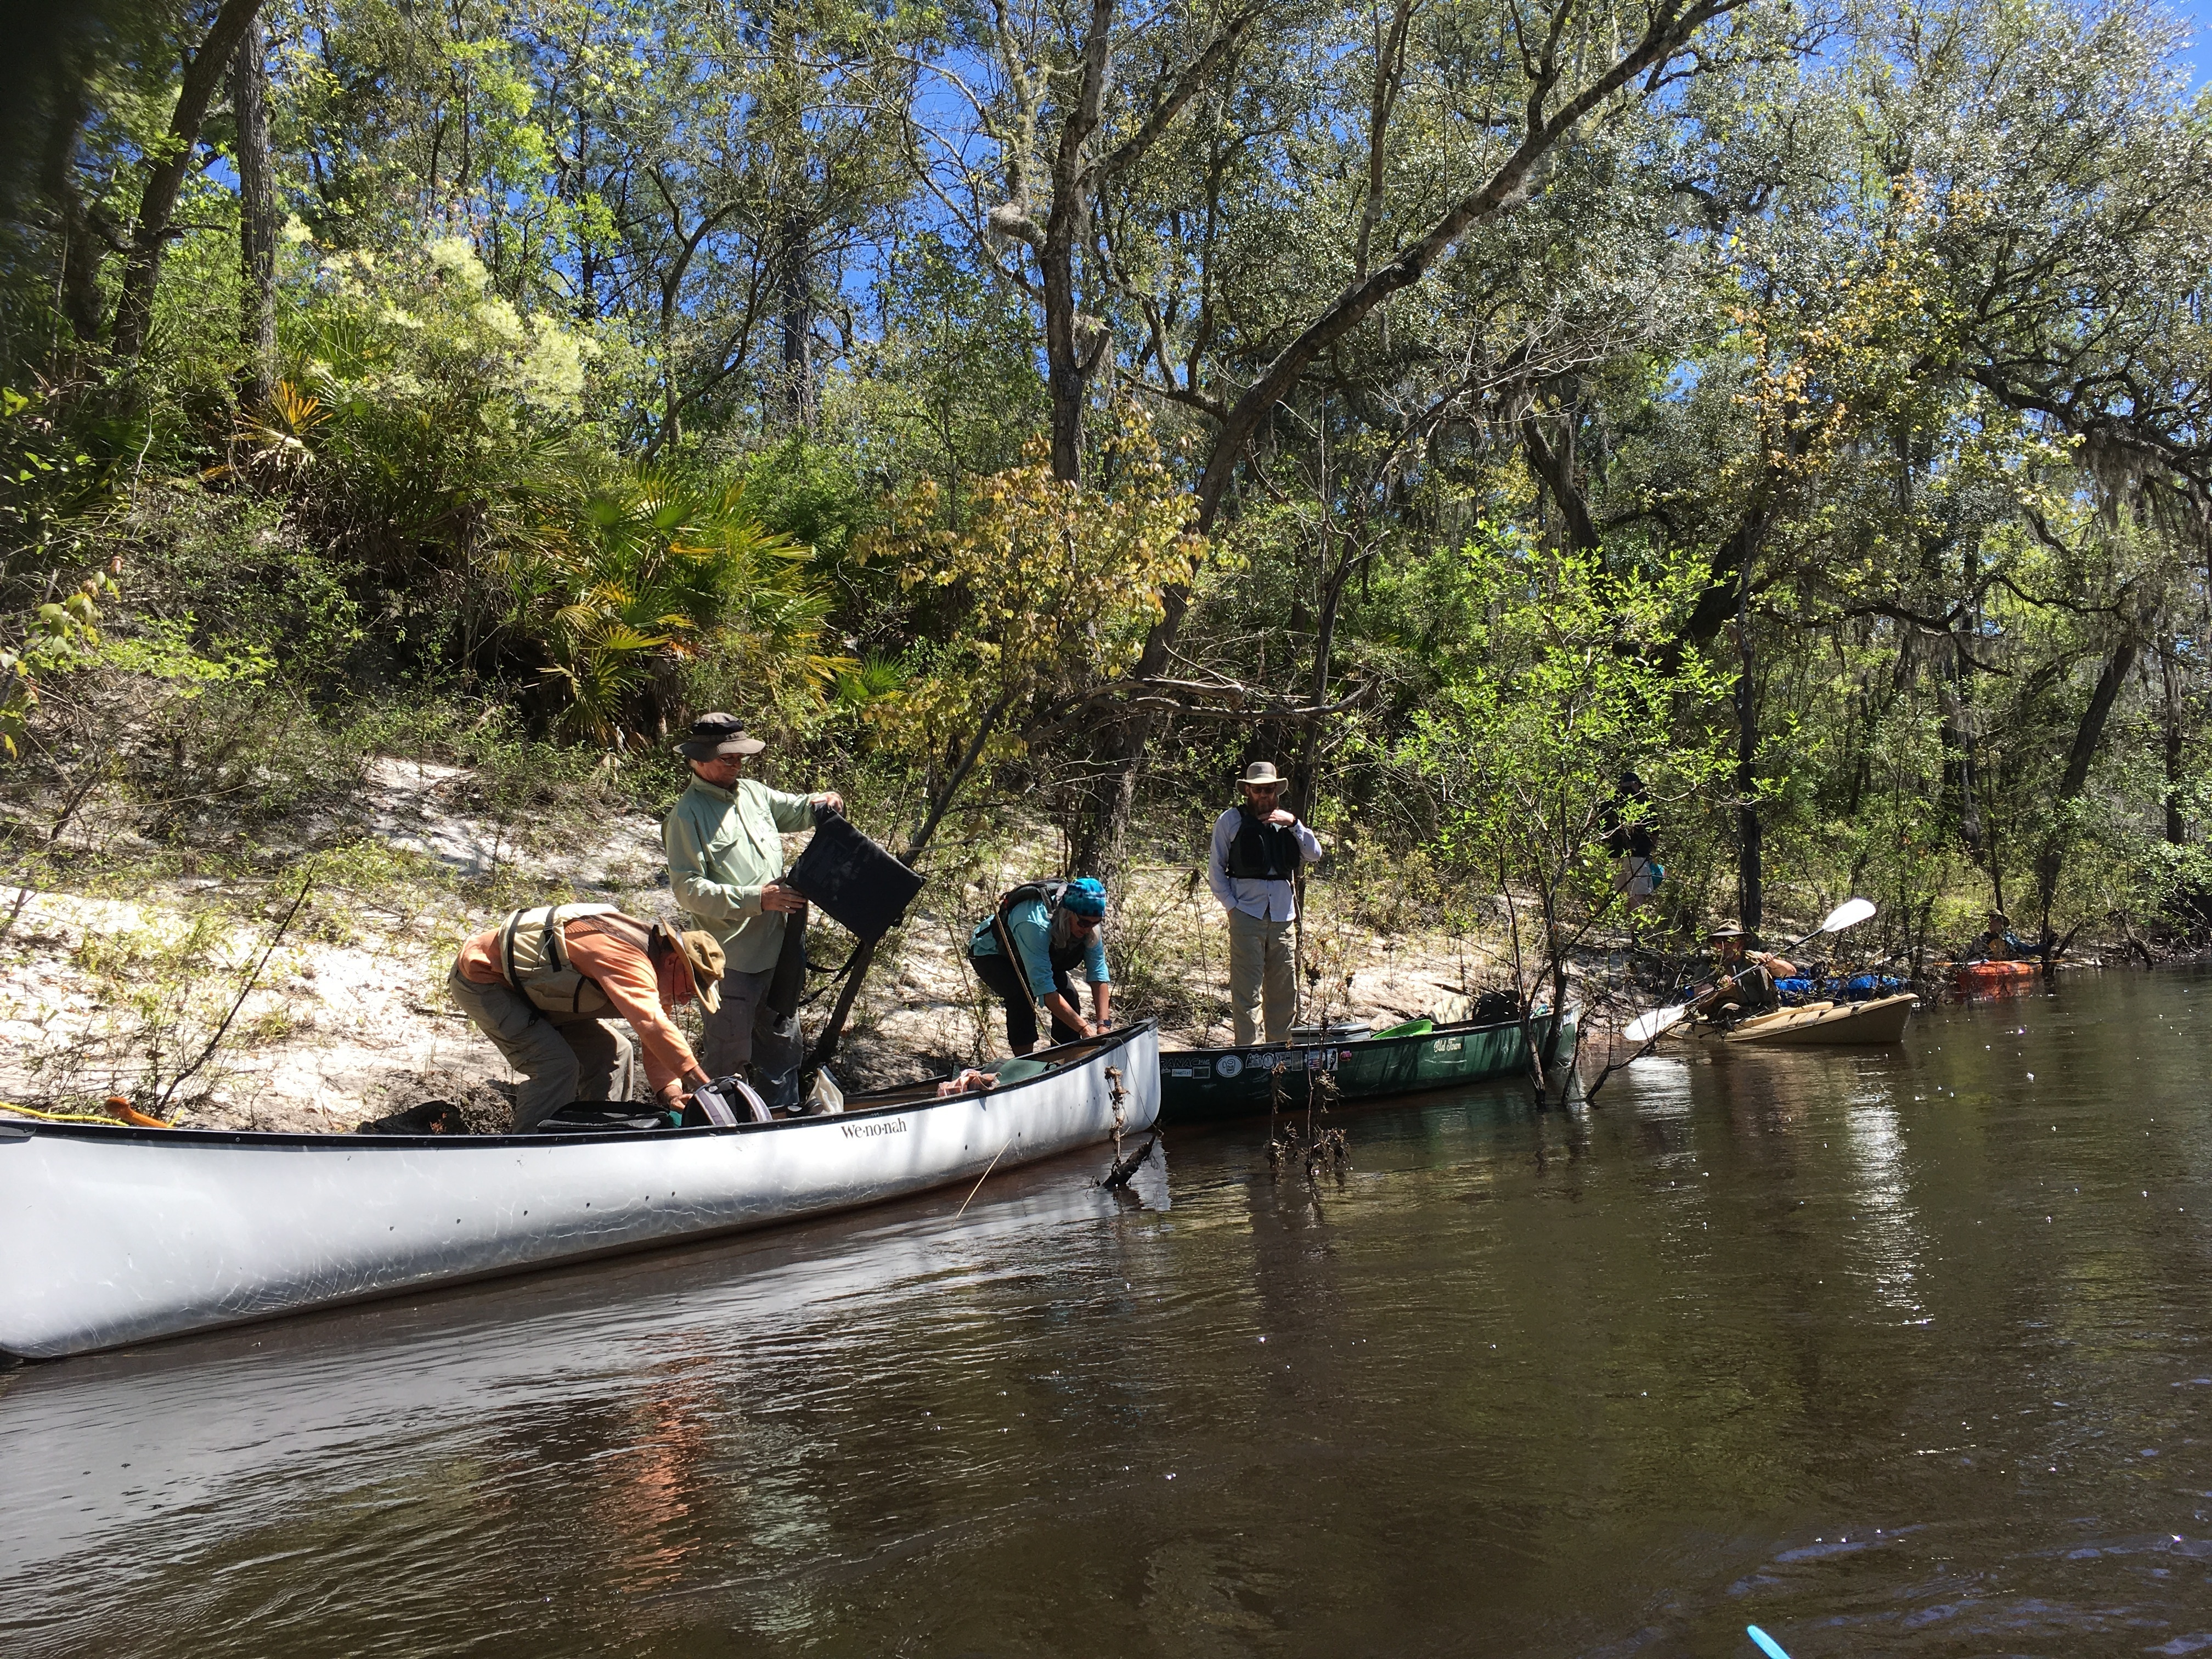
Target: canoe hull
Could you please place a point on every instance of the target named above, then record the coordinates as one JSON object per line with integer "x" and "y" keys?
{"x": 118, "y": 1236}
{"x": 1880, "y": 1021}
{"x": 1205, "y": 1086}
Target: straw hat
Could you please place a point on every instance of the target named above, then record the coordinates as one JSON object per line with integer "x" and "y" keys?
{"x": 1259, "y": 772}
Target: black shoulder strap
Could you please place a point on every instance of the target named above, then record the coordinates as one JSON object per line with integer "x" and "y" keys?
{"x": 1047, "y": 893}
{"x": 1007, "y": 900}
{"x": 506, "y": 945}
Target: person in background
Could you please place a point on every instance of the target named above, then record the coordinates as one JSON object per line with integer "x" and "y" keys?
{"x": 1998, "y": 943}
{"x": 1258, "y": 848}
{"x": 723, "y": 838}
{"x": 1628, "y": 837}
{"x": 1054, "y": 927}
{"x": 544, "y": 985}
{"x": 1743, "y": 979}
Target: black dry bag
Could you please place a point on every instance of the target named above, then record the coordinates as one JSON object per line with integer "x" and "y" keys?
{"x": 861, "y": 886}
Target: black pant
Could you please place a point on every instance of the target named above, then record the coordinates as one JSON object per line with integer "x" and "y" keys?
{"x": 1001, "y": 978}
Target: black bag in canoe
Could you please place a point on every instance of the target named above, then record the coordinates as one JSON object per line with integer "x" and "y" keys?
{"x": 580, "y": 1117}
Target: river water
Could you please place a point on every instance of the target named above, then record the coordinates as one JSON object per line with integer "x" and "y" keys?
{"x": 1897, "y": 1352}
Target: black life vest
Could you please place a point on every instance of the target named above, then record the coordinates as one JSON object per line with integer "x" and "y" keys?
{"x": 1063, "y": 956}
{"x": 1262, "y": 851}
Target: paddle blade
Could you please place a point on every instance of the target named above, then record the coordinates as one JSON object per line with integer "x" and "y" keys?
{"x": 1849, "y": 914}
{"x": 1646, "y": 1028}
{"x": 1767, "y": 1645}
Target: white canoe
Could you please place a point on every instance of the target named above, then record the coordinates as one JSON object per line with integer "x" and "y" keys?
{"x": 1822, "y": 1023}
{"x": 117, "y": 1236}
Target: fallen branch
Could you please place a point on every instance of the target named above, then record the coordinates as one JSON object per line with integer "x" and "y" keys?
{"x": 306, "y": 885}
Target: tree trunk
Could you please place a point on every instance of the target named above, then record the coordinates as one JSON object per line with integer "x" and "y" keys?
{"x": 157, "y": 202}
{"x": 1556, "y": 469}
{"x": 84, "y": 242}
{"x": 2086, "y": 736}
{"x": 1750, "y": 901}
{"x": 2177, "y": 832}
{"x": 256, "y": 215}
{"x": 1956, "y": 735}
{"x": 795, "y": 300}
{"x": 1066, "y": 367}
{"x": 825, "y": 1045}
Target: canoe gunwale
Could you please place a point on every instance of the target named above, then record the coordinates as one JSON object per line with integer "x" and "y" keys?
{"x": 1370, "y": 1044}
{"x": 907, "y": 1097}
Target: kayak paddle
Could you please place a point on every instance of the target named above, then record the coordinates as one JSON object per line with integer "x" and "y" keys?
{"x": 1767, "y": 1645}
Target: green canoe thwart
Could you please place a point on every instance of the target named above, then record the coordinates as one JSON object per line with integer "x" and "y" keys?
{"x": 1198, "y": 1085}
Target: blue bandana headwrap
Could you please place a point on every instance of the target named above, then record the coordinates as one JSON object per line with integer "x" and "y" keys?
{"x": 1084, "y": 897}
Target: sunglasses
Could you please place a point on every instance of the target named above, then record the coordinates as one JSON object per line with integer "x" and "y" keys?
{"x": 1084, "y": 921}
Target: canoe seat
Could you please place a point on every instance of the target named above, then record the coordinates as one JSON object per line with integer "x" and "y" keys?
{"x": 1420, "y": 1027}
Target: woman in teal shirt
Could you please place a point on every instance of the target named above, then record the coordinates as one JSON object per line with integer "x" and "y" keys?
{"x": 1054, "y": 927}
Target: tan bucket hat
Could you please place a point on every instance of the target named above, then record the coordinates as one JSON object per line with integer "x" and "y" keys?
{"x": 703, "y": 958}
{"x": 1261, "y": 772}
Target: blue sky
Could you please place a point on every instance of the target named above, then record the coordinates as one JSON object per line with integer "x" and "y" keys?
{"x": 2199, "y": 12}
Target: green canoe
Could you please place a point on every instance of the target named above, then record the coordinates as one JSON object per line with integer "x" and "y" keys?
{"x": 1198, "y": 1085}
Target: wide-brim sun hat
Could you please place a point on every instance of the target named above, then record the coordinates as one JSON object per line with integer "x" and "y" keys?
{"x": 1261, "y": 772}
{"x": 1726, "y": 930}
{"x": 717, "y": 734}
{"x": 703, "y": 960}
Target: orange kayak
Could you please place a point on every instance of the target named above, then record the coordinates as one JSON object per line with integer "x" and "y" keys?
{"x": 1986, "y": 975}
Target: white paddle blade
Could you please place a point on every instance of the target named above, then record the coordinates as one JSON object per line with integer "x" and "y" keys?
{"x": 1644, "y": 1027}
{"x": 1849, "y": 914}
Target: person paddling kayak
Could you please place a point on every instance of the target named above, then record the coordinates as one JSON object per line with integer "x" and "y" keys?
{"x": 1743, "y": 979}
{"x": 1998, "y": 943}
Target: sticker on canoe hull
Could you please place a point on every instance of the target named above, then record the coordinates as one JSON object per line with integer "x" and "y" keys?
{"x": 1229, "y": 1066}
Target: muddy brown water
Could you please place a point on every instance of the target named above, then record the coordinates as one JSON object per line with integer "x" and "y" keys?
{"x": 1894, "y": 1352}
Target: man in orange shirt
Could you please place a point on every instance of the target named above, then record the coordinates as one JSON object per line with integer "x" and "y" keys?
{"x": 544, "y": 984}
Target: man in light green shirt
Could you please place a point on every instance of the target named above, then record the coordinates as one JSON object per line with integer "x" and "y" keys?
{"x": 724, "y": 840}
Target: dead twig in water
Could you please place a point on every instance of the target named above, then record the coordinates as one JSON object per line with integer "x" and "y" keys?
{"x": 306, "y": 886}
{"x": 1119, "y": 1175}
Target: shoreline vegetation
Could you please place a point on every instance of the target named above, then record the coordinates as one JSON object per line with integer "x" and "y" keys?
{"x": 1781, "y": 431}
{"x": 121, "y": 958}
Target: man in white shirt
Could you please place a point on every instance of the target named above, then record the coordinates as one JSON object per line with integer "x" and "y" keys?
{"x": 1257, "y": 849}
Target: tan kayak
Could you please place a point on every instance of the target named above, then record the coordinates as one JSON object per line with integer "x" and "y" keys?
{"x": 1882, "y": 1020}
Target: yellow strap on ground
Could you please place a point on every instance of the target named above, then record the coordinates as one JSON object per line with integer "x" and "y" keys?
{"x": 80, "y": 1117}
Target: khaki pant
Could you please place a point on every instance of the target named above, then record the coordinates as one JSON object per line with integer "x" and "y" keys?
{"x": 573, "y": 1059}
{"x": 746, "y": 1037}
{"x": 1261, "y": 971}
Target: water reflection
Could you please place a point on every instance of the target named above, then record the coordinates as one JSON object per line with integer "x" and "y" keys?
{"x": 1892, "y": 1353}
